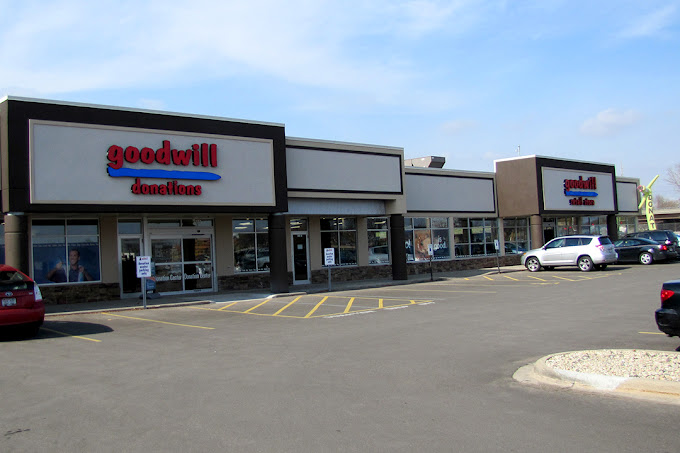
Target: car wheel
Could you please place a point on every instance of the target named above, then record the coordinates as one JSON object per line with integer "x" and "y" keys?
{"x": 646, "y": 258}
{"x": 533, "y": 264}
{"x": 585, "y": 263}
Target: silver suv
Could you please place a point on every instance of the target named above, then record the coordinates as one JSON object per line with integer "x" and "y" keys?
{"x": 586, "y": 252}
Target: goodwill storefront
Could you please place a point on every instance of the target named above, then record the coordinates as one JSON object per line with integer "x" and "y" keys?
{"x": 221, "y": 204}
{"x": 562, "y": 197}
{"x": 86, "y": 189}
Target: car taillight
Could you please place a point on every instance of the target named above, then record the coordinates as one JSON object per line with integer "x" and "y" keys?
{"x": 601, "y": 247}
{"x": 663, "y": 247}
{"x": 666, "y": 294}
{"x": 37, "y": 293}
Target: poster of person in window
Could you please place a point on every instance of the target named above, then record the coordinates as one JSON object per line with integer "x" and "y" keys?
{"x": 422, "y": 240}
{"x": 52, "y": 266}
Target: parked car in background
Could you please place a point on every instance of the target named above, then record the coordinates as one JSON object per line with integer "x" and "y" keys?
{"x": 640, "y": 250}
{"x": 379, "y": 254}
{"x": 513, "y": 249}
{"x": 21, "y": 305}
{"x": 667, "y": 237}
{"x": 668, "y": 316}
{"x": 586, "y": 252}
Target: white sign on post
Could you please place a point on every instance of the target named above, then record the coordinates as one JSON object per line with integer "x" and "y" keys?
{"x": 329, "y": 255}
{"x": 430, "y": 250}
{"x": 143, "y": 267}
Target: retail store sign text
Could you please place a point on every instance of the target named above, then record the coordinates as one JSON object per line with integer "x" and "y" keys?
{"x": 582, "y": 190}
{"x": 203, "y": 155}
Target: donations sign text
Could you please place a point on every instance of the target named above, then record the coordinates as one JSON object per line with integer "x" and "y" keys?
{"x": 198, "y": 157}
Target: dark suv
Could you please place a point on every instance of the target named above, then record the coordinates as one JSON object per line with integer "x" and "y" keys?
{"x": 666, "y": 237}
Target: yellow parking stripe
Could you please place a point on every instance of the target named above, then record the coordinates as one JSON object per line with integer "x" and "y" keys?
{"x": 536, "y": 278}
{"x": 511, "y": 278}
{"x": 652, "y": 333}
{"x": 374, "y": 309}
{"x": 315, "y": 308}
{"x": 227, "y": 306}
{"x": 488, "y": 278}
{"x": 160, "y": 322}
{"x": 564, "y": 278}
{"x": 256, "y": 306}
{"x": 291, "y": 303}
{"x": 349, "y": 304}
{"x": 69, "y": 335}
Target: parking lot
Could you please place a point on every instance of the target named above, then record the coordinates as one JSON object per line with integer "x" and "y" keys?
{"x": 418, "y": 367}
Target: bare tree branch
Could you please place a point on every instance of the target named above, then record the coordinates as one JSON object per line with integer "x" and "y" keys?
{"x": 673, "y": 177}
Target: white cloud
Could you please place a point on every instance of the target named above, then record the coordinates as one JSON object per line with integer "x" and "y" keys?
{"x": 609, "y": 121}
{"x": 651, "y": 24}
{"x": 79, "y": 45}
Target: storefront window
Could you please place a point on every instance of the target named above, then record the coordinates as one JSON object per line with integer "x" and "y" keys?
{"x": 340, "y": 233}
{"x": 516, "y": 235}
{"x": 65, "y": 251}
{"x": 628, "y": 224}
{"x": 298, "y": 224}
{"x": 130, "y": 227}
{"x": 475, "y": 237}
{"x": 378, "y": 240}
{"x": 423, "y": 231}
{"x": 567, "y": 226}
{"x": 593, "y": 224}
{"x": 251, "y": 245}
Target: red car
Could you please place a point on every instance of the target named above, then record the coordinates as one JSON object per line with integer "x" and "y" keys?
{"x": 20, "y": 301}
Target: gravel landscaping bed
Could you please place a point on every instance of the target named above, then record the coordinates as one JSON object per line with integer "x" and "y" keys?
{"x": 660, "y": 365}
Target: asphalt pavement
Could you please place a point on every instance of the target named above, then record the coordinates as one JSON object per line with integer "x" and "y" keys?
{"x": 537, "y": 373}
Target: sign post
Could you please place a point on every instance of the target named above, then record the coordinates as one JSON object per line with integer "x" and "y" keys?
{"x": 497, "y": 245}
{"x": 143, "y": 272}
{"x": 329, "y": 260}
{"x": 430, "y": 253}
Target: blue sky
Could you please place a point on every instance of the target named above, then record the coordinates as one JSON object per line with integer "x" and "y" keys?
{"x": 469, "y": 80}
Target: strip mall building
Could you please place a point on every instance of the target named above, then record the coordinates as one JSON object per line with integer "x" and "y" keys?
{"x": 222, "y": 204}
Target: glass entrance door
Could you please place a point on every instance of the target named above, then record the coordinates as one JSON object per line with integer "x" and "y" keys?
{"x": 130, "y": 249}
{"x": 183, "y": 263}
{"x": 548, "y": 230}
{"x": 300, "y": 259}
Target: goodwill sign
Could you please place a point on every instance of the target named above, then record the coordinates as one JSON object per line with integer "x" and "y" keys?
{"x": 577, "y": 190}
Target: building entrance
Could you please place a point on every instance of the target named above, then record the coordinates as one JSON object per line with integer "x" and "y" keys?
{"x": 300, "y": 259}
{"x": 300, "y": 250}
{"x": 183, "y": 262}
{"x": 548, "y": 230}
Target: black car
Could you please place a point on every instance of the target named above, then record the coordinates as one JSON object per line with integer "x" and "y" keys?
{"x": 640, "y": 250}
{"x": 667, "y": 237}
{"x": 668, "y": 316}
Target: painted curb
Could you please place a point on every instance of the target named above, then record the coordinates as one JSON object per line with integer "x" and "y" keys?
{"x": 540, "y": 372}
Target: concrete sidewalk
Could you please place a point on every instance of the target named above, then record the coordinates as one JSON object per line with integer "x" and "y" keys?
{"x": 232, "y": 296}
